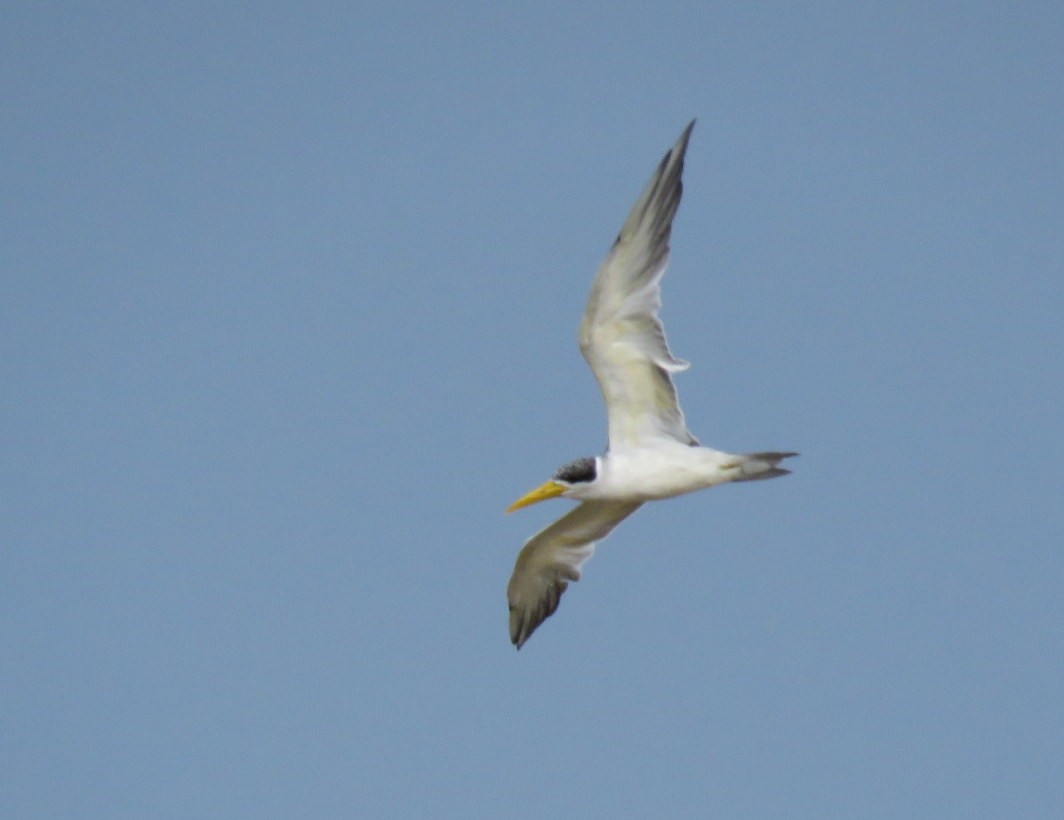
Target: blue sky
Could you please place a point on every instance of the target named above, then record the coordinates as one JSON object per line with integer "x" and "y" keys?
{"x": 288, "y": 318}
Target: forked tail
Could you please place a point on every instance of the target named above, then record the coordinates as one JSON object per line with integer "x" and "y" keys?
{"x": 756, "y": 466}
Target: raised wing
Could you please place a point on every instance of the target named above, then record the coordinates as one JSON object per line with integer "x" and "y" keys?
{"x": 553, "y": 557}
{"x": 620, "y": 335}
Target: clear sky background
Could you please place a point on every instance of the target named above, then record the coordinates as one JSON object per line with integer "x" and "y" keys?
{"x": 290, "y": 296}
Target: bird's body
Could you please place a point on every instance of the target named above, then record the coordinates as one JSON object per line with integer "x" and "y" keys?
{"x": 663, "y": 470}
{"x": 651, "y": 454}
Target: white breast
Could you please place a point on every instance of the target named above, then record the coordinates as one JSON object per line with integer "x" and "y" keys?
{"x": 666, "y": 469}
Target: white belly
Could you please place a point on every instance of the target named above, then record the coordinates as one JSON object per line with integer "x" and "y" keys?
{"x": 664, "y": 471}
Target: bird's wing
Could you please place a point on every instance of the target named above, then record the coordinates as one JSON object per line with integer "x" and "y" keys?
{"x": 621, "y": 336}
{"x": 553, "y": 557}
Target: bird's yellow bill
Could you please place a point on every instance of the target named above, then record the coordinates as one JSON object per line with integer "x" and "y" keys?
{"x": 549, "y": 489}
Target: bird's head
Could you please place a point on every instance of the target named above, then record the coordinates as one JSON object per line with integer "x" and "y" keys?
{"x": 565, "y": 479}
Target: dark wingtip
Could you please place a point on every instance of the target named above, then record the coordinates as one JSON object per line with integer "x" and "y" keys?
{"x": 686, "y": 134}
{"x": 519, "y": 631}
{"x": 681, "y": 143}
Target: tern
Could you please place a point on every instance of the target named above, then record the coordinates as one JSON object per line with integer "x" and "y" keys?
{"x": 650, "y": 453}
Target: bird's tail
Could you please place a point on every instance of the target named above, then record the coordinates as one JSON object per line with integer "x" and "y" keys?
{"x": 756, "y": 466}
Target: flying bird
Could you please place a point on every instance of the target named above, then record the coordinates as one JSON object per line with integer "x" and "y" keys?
{"x": 650, "y": 453}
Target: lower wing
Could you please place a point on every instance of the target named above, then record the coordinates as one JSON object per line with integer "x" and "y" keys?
{"x": 553, "y": 557}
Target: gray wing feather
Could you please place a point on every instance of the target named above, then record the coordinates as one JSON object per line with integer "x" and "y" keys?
{"x": 552, "y": 558}
{"x": 621, "y": 336}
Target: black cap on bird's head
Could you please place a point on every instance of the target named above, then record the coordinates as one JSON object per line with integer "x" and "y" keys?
{"x": 577, "y": 472}
{"x": 580, "y": 471}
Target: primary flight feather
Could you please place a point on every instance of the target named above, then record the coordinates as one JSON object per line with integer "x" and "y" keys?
{"x": 651, "y": 454}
